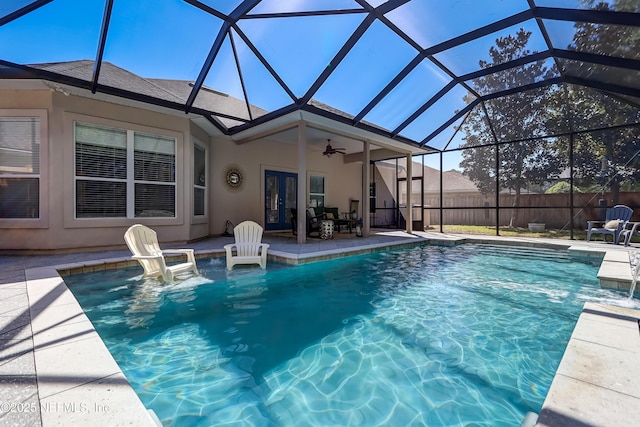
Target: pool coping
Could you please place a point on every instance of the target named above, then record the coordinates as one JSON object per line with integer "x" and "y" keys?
{"x": 615, "y": 271}
{"x": 597, "y": 381}
{"x": 78, "y": 380}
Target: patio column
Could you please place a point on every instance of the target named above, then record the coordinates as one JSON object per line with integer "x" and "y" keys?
{"x": 409, "y": 216}
{"x": 366, "y": 178}
{"x": 302, "y": 183}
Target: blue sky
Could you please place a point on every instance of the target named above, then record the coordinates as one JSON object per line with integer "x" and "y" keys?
{"x": 171, "y": 39}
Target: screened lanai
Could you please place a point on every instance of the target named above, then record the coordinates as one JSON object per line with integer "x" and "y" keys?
{"x": 516, "y": 112}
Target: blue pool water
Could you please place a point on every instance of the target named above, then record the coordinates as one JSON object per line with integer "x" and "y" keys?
{"x": 463, "y": 336}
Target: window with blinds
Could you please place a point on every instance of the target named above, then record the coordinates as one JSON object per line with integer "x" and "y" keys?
{"x": 19, "y": 167}
{"x": 316, "y": 190}
{"x": 121, "y": 173}
{"x": 199, "y": 179}
{"x": 154, "y": 160}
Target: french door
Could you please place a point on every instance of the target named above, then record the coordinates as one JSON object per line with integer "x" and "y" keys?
{"x": 280, "y": 196}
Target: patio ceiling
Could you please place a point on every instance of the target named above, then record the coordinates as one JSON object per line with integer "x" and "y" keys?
{"x": 404, "y": 70}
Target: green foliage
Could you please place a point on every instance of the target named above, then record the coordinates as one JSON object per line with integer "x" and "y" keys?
{"x": 562, "y": 187}
{"x": 593, "y": 110}
{"x": 512, "y": 118}
{"x": 527, "y": 134}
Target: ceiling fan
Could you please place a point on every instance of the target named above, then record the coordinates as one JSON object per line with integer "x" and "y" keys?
{"x": 329, "y": 151}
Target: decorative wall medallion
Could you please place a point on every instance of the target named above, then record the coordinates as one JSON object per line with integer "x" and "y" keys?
{"x": 233, "y": 178}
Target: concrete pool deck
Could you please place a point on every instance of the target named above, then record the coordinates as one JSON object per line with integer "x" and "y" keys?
{"x": 598, "y": 380}
{"x": 56, "y": 370}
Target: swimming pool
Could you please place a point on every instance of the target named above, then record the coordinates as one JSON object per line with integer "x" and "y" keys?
{"x": 469, "y": 335}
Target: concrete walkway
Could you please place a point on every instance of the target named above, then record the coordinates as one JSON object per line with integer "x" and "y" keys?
{"x": 55, "y": 369}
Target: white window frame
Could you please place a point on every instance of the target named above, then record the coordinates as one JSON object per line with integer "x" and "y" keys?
{"x": 324, "y": 185}
{"x": 196, "y": 143}
{"x": 130, "y": 176}
{"x": 42, "y": 221}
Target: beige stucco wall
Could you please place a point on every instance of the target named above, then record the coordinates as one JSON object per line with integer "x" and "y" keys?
{"x": 342, "y": 181}
{"x": 57, "y": 229}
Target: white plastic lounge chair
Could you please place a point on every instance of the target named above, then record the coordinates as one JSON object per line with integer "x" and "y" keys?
{"x": 143, "y": 243}
{"x": 249, "y": 248}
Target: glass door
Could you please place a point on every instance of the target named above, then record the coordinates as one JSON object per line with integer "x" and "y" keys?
{"x": 280, "y": 196}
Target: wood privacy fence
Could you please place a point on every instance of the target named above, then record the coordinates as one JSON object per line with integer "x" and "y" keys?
{"x": 551, "y": 209}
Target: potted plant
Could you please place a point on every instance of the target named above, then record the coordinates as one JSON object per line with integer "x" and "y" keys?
{"x": 536, "y": 226}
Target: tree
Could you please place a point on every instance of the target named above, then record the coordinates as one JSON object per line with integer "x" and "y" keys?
{"x": 562, "y": 187}
{"x": 607, "y": 158}
{"x": 521, "y": 118}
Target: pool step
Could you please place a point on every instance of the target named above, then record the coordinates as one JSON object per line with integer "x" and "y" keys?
{"x": 519, "y": 252}
{"x": 615, "y": 271}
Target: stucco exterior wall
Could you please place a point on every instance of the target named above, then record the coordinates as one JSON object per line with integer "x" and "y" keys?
{"x": 343, "y": 181}
{"x": 58, "y": 229}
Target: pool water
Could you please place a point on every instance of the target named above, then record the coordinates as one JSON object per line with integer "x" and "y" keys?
{"x": 463, "y": 336}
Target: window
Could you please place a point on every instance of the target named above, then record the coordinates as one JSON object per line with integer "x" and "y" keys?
{"x": 316, "y": 191}
{"x": 199, "y": 179}
{"x": 123, "y": 174}
{"x": 19, "y": 167}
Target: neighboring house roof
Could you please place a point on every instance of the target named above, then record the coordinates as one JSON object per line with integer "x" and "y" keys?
{"x": 453, "y": 181}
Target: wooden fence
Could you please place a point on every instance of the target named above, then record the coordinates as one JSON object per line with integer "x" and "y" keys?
{"x": 551, "y": 209}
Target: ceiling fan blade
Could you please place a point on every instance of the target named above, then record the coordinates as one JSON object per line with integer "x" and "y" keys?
{"x": 329, "y": 150}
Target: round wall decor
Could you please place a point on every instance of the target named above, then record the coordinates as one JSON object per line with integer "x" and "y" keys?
{"x": 233, "y": 177}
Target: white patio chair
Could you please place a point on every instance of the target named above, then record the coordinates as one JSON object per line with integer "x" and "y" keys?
{"x": 143, "y": 244}
{"x": 249, "y": 248}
